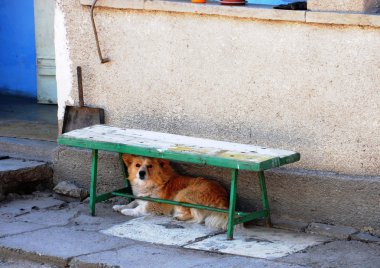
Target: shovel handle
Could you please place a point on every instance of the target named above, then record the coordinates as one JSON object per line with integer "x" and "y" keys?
{"x": 80, "y": 86}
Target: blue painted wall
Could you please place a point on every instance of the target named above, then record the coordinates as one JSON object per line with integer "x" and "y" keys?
{"x": 17, "y": 48}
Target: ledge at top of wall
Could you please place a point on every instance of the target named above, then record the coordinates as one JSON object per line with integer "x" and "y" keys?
{"x": 260, "y": 12}
{"x": 344, "y": 5}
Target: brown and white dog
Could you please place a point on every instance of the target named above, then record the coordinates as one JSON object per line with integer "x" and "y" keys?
{"x": 156, "y": 178}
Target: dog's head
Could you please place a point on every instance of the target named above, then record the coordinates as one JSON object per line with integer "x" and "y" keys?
{"x": 147, "y": 172}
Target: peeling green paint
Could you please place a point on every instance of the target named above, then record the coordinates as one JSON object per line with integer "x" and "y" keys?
{"x": 188, "y": 149}
{"x": 244, "y": 156}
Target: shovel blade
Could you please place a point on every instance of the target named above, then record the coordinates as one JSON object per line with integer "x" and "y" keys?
{"x": 80, "y": 117}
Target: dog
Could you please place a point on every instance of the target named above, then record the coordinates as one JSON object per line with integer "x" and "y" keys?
{"x": 156, "y": 178}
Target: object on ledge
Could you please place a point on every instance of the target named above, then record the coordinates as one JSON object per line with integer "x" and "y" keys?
{"x": 198, "y": 1}
{"x": 82, "y": 116}
{"x": 232, "y": 2}
{"x": 293, "y": 6}
{"x": 102, "y": 60}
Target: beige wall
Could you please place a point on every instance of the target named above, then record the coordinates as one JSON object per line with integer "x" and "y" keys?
{"x": 343, "y": 5}
{"x": 311, "y": 88}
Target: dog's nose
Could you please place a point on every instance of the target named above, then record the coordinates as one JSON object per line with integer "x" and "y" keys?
{"x": 142, "y": 174}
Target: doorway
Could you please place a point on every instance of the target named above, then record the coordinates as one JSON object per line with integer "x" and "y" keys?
{"x": 45, "y": 54}
{"x": 27, "y": 70}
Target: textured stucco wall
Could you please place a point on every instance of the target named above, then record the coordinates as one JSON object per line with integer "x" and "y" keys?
{"x": 310, "y": 88}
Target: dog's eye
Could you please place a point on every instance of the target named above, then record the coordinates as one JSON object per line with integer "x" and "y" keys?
{"x": 138, "y": 165}
{"x": 149, "y": 166}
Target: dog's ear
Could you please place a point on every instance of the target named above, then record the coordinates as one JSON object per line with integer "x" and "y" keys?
{"x": 128, "y": 159}
{"x": 163, "y": 163}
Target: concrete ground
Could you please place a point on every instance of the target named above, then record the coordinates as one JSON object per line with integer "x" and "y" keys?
{"x": 27, "y": 109}
{"x": 22, "y": 117}
{"x": 40, "y": 231}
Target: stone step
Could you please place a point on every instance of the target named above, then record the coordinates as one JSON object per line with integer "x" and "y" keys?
{"x": 27, "y": 149}
{"x": 18, "y": 175}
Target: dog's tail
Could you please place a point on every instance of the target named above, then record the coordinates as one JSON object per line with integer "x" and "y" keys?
{"x": 217, "y": 220}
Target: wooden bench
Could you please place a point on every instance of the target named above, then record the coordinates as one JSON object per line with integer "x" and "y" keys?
{"x": 233, "y": 156}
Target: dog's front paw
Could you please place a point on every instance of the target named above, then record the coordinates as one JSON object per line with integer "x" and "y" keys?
{"x": 118, "y": 208}
{"x": 129, "y": 212}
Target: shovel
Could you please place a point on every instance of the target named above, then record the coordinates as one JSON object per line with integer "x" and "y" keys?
{"x": 82, "y": 116}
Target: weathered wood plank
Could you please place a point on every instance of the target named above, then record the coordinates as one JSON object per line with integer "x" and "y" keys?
{"x": 179, "y": 148}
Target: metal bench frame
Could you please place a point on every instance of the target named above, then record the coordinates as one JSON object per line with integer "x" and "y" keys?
{"x": 234, "y": 217}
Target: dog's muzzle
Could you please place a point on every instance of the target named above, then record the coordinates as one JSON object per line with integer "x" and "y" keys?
{"x": 142, "y": 174}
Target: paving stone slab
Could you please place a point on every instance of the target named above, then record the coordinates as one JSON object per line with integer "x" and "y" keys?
{"x": 340, "y": 232}
{"x": 49, "y": 218}
{"x": 365, "y": 237}
{"x": 23, "y": 206}
{"x": 27, "y": 148}
{"x": 12, "y": 164}
{"x": 15, "y": 263}
{"x": 16, "y": 174}
{"x": 238, "y": 261}
{"x": 259, "y": 242}
{"x": 63, "y": 243}
{"x": 147, "y": 256}
{"x": 347, "y": 254}
{"x": 160, "y": 230}
{"x": 105, "y": 217}
{"x": 17, "y": 254}
{"x": 159, "y": 256}
{"x": 85, "y": 222}
{"x": 11, "y": 228}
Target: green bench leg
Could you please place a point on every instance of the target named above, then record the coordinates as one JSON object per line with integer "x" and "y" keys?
{"x": 231, "y": 210}
{"x": 94, "y": 174}
{"x": 264, "y": 198}
{"x": 125, "y": 176}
